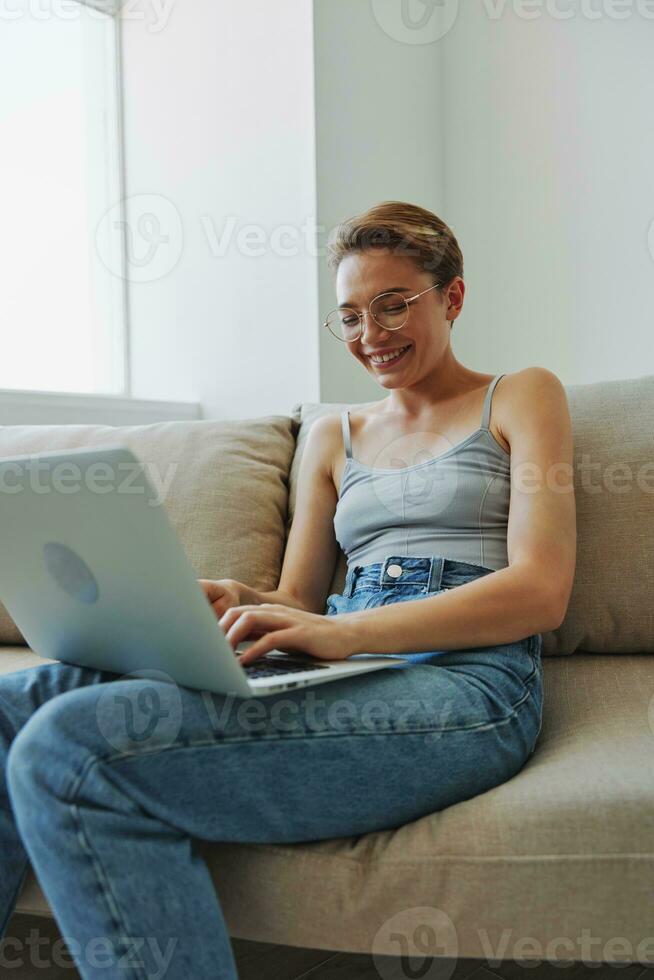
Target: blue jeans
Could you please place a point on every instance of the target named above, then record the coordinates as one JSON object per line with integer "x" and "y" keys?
{"x": 107, "y": 780}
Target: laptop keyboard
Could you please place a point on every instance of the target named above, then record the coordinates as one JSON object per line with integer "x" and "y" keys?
{"x": 276, "y": 666}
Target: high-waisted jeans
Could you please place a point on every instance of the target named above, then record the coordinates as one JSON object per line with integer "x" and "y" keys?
{"x": 106, "y": 781}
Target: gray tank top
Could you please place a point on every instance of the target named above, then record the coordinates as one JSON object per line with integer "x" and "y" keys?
{"x": 455, "y": 505}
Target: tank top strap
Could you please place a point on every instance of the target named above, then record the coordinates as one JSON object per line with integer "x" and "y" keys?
{"x": 487, "y": 401}
{"x": 347, "y": 442}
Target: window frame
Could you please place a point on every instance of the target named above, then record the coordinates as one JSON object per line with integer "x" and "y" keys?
{"x": 18, "y": 405}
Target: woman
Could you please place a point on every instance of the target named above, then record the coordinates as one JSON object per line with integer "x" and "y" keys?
{"x": 459, "y": 578}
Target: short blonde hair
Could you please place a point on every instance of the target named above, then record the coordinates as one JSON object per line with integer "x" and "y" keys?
{"x": 406, "y": 229}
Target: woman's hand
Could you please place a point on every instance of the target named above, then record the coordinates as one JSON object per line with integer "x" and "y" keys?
{"x": 222, "y": 593}
{"x": 277, "y": 627}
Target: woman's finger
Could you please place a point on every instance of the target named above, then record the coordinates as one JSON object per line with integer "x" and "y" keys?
{"x": 254, "y": 620}
{"x": 231, "y": 615}
{"x": 271, "y": 641}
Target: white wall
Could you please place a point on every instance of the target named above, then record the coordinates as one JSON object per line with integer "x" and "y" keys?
{"x": 219, "y": 124}
{"x": 549, "y": 157}
{"x": 532, "y": 138}
{"x": 366, "y": 79}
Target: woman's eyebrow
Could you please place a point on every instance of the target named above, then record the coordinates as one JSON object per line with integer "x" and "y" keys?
{"x": 391, "y": 289}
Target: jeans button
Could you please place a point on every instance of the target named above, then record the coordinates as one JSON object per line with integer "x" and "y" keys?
{"x": 394, "y": 571}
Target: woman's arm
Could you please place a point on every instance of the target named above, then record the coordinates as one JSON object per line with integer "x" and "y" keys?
{"x": 531, "y": 595}
{"x": 311, "y": 549}
{"x": 248, "y": 596}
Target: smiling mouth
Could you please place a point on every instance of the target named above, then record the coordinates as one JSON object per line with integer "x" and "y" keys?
{"x": 389, "y": 361}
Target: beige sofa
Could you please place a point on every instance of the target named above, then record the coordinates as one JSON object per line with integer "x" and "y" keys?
{"x": 558, "y": 862}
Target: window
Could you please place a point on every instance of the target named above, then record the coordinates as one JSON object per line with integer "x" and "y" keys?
{"x": 62, "y": 297}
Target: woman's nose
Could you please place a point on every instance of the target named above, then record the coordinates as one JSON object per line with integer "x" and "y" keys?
{"x": 368, "y": 320}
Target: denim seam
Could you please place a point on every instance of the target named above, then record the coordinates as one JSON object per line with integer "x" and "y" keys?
{"x": 102, "y": 879}
{"x": 94, "y": 760}
{"x": 117, "y": 756}
{"x": 423, "y": 586}
{"x": 116, "y": 918}
{"x": 363, "y": 588}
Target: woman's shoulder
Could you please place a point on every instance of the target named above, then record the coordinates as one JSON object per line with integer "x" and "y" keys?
{"x": 527, "y": 383}
{"x": 518, "y": 397}
{"x": 529, "y": 399}
{"x": 530, "y": 374}
{"x": 359, "y": 412}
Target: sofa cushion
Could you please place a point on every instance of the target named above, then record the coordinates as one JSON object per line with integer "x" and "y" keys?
{"x": 227, "y": 496}
{"x": 611, "y": 608}
{"x": 553, "y": 846}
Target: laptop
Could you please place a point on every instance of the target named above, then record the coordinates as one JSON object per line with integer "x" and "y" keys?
{"x": 93, "y": 573}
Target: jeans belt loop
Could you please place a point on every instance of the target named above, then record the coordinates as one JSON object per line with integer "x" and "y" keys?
{"x": 350, "y": 580}
{"x": 436, "y": 573}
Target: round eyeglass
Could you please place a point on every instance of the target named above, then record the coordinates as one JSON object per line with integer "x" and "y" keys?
{"x": 389, "y": 310}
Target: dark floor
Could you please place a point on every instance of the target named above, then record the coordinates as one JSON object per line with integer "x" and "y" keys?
{"x": 33, "y": 950}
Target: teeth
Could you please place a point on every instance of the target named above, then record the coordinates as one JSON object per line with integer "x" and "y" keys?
{"x": 380, "y": 359}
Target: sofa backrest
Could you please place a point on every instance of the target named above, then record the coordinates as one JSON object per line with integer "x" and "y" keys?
{"x": 232, "y": 490}
{"x": 611, "y": 608}
{"x": 224, "y": 485}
